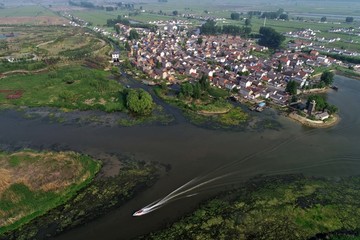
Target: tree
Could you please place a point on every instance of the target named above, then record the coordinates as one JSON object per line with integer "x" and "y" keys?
{"x": 331, "y": 109}
{"x": 117, "y": 29}
{"x": 175, "y": 13}
{"x": 284, "y": 16}
{"x": 291, "y": 87}
{"x": 270, "y": 38}
{"x": 204, "y": 83}
{"x": 127, "y": 46}
{"x": 186, "y": 89}
{"x": 349, "y": 19}
{"x": 327, "y": 77}
{"x": 209, "y": 28}
{"x": 133, "y": 35}
{"x": 323, "y": 19}
{"x": 247, "y": 31}
{"x": 321, "y": 103}
{"x": 235, "y": 16}
{"x": 247, "y": 22}
{"x": 200, "y": 40}
{"x": 139, "y": 101}
{"x": 197, "y": 91}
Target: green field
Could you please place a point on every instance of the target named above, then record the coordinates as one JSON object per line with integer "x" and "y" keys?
{"x": 32, "y": 183}
{"x": 69, "y": 87}
{"x": 26, "y": 11}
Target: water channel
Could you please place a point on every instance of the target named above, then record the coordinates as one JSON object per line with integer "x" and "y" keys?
{"x": 193, "y": 151}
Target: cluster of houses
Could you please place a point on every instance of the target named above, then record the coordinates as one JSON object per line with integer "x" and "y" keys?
{"x": 229, "y": 62}
{"x": 307, "y": 39}
{"x": 309, "y": 34}
{"x": 348, "y": 31}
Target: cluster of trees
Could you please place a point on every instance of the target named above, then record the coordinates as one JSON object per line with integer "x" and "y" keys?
{"x": 139, "y": 101}
{"x": 133, "y": 35}
{"x": 275, "y": 15}
{"x": 84, "y": 4}
{"x": 321, "y": 104}
{"x": 194, "y": 90}
{"x": 327, "y": 77}
{"x": 128, "y": 6}
{"x": 349, "y": 19}
{"x": 210, "y": 28}
{"x": 279, "y": 14}
{"x": 235, "y": 16}
{"x": 111, "y": 23}
{"x": 270, "y": 38}
{"x": 254, "y": 13}
{"x": 291, "y": 87}
{"x": 350, "y": 59}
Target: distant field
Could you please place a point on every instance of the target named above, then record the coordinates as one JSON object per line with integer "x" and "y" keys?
{"x": 97, "y": 17}
{"x": 26, "y": 11}
{"x": 48, "y": 41}
{"x": 33, "y": 15}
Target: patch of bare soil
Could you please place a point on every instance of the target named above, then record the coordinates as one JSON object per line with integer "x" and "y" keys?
{"x": 40, "y": 171}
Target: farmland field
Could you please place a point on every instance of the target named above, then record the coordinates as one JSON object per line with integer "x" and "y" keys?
{"x": 42, "y": 42}
{"x": 34, "y": 15}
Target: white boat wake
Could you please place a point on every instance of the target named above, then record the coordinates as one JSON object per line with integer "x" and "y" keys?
{"x": 175, "y": 195}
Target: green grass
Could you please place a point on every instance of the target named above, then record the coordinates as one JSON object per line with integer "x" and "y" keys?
{"x": 74, "y": 87}
{"x": 218, "y": 92}
{"x": 24, "y": 65}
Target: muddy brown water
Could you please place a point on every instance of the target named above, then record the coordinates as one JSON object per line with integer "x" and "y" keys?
{"x": 195, "y": 152}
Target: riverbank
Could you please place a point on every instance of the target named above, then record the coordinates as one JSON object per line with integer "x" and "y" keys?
{"x": 112, "y": 188}
{"x": 330, "y": 122}
{"x": 32, "y": 183}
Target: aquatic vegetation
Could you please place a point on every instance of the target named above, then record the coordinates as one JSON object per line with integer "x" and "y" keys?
{"x": 279, "y": 207}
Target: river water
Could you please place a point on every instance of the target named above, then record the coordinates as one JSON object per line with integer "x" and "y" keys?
{"x": 194, "y": 152}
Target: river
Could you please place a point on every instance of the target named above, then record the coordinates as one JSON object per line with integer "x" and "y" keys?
{"x": 194, "y": 152}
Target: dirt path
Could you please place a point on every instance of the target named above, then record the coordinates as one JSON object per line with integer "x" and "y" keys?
{"x": 45, "y": 43}
{"x": 24, "y": 71}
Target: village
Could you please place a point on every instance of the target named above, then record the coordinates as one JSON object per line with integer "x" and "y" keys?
{"x": 176, "y": 53}
{"x": 232, "y": 63}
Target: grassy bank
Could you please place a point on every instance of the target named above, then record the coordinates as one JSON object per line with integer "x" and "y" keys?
{"x": 102, "y": 195}
{"x": 284, "y": 207}
{"x": 72, "y": 87}
{"x": 32, "y": 183}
